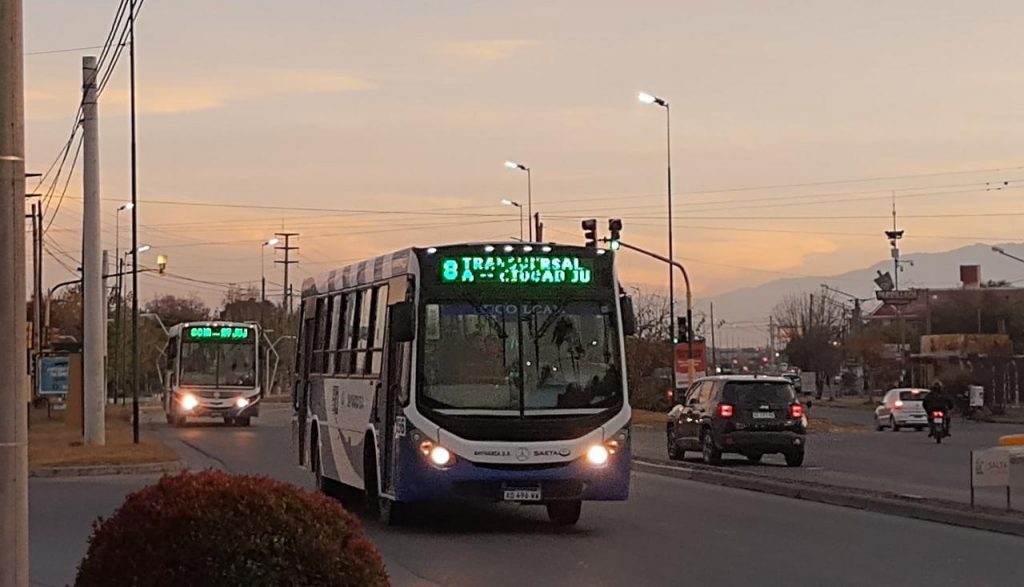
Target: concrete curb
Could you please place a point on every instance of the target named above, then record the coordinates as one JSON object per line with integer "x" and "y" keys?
{"x": 98, "y": 470}
{"x": 932, "y": 510}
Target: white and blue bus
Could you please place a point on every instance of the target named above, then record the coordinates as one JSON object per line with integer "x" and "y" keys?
{"x": 481, "y": 371}
{"x": 212, "y": 370}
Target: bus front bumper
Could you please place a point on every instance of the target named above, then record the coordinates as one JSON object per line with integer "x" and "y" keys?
{"x": 219, "y": 408}
{"x": 418, "y": 480}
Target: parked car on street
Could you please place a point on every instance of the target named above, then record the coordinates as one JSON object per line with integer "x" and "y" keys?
{"x": 749, "y": 415}
{"x": 902, "y": 407}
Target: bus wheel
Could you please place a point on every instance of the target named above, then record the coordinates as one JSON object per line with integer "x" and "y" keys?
{"x": 371, "y": 491}
{"x": 243, "y": 422}
{"x": 565, "y": 513}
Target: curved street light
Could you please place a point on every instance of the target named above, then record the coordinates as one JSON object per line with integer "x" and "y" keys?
{"x": 529, "y": 189}
{"x": 507, "y": 202}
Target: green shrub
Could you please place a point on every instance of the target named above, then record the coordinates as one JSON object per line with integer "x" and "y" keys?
{"x": 211, "y": 528}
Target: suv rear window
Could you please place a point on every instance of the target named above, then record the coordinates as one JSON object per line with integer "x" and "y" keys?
{"x": 911, "y": 396}
{"x": 748, "y": 392}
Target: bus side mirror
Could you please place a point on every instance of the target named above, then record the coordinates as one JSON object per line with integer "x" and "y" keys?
{"x": 403, "y": 322}
{"x": 628, "y": 316}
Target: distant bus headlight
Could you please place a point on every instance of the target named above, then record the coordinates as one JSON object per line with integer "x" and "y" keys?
{"x": 242, "y": 402}
{"x": 597, "y": 455}
{"x": 440, "y": 456}
{"x": 189, "y": 402}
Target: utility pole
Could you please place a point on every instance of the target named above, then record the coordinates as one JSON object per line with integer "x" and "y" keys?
{"x": 286, "y": 299}
{"x": 13, "y": 378}
{"x": 93, "y": 315}
{"x": 771, "y": 340}
{"x": 38, "y": 286}
{"x": 714, "y": 347}
{"x": 135, "y": 226}
{"x": 538, "y": 228}
{"x": 36, "y": 299}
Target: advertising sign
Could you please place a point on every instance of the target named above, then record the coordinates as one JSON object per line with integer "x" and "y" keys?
{"x": 990, "y": 468}
{"x": 683, "y": 363}
{"x": 54, "y": 374}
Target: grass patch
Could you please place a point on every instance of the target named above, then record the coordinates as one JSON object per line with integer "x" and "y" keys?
{"x": 52, "y": 444}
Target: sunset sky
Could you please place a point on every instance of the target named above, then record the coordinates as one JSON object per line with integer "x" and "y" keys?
{"x": 371, "y": 126}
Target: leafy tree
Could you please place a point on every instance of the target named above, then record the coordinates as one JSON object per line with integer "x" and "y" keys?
{"x": 175, "y": 310}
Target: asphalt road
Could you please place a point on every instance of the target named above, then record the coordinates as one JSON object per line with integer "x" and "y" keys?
{"x": 670, "y": 532}
{"x": 906, "y": 462}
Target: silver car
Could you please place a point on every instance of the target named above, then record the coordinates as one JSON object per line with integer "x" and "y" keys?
{"x": 902, "y": 407}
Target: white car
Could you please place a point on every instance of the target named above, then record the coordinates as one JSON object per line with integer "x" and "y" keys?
{"x": 902, "y": 407}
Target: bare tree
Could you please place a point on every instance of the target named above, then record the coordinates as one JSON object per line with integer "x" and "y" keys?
{"x": 652, "y": 315}
{"x": 812, "y": 327}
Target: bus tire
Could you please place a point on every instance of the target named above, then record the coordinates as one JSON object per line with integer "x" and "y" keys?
{"x": 243, "y": 421}
{"x": 371, "y": 491}
{"x": 565, "y": 513}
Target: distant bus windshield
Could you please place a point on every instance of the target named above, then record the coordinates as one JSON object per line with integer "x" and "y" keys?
{"x": 520, "y": 356}
{"x": 218, "y": 363}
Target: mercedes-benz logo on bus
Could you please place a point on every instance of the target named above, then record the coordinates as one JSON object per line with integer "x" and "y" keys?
{"x": 522, "y": 453}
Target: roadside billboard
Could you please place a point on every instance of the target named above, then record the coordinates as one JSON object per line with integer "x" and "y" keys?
{"x": 54, "y": 375}
{"x": 683, "y": 363}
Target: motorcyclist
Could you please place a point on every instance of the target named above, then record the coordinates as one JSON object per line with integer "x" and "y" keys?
{"x": 938, "y": 401}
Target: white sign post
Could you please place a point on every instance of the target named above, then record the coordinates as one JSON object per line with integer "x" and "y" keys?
{"x": 990, "y": 468}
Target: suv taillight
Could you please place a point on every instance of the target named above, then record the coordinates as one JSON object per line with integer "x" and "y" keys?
{"x": 796, "y": 411}
{"x": 725, "y": 410}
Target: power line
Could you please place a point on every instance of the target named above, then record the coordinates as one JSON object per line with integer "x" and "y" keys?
{"x": 60, "y": 201}
{"x": 71, "y": 50}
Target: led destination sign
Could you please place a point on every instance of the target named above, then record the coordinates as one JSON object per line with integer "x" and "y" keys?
{"x": 218, "y": 333}
{"x": 536, "y": 269}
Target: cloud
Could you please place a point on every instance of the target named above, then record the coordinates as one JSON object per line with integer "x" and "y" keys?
{"x": 485, "y": 51}
{"x": 170, "y": 96}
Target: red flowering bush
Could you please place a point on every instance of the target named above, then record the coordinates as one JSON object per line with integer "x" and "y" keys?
{"x": 211, "y": 528}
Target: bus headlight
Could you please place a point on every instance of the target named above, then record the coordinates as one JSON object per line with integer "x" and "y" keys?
{"x": 189, "y": 402}
{"x": 440, "y": 456}
{"x": 597, "y": 455}
{"x": 242, "y": 403}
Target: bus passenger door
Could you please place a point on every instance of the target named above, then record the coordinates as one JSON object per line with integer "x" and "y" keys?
{"x": 395, "y": 380}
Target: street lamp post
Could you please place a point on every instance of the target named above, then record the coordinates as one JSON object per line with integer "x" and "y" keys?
{"x": 529, "y": 189}
{"x": 263, "y": 277}
{"x": 507, "y": 202}
{"x": 119, "y": 364}
{"x": 673, "y": 327}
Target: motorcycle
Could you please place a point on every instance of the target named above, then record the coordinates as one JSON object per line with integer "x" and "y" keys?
{"x": 939, "y": 426}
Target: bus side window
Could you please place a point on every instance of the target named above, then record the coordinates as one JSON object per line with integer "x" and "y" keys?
{"x": 380, "y": 298}
{"x": 319, "y": 356}
{"x": 366, "y": 300}
{"x": 170, "y": 361}
{"x": 337, "y": 311}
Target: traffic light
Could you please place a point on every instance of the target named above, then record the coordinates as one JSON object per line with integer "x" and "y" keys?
{"x": 161, "y": 263}
{"x": 682, "y": 332}
{"x": 590, "y": 232}
{"x": 614, "y": 226}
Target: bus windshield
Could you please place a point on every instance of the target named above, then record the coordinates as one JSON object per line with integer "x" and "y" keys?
{"x": 520, "y": 357}
{"x": 218, "y": 364}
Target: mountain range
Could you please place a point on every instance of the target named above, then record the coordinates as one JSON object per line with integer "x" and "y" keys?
{"x": 929, "y": 270}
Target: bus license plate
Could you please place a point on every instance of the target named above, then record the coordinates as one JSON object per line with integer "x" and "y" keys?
{"x": 522, "y": 494}
{"x": 764, "y": 415}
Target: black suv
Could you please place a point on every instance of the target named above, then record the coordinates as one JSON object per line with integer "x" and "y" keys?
{"x": 749, "y": 415}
